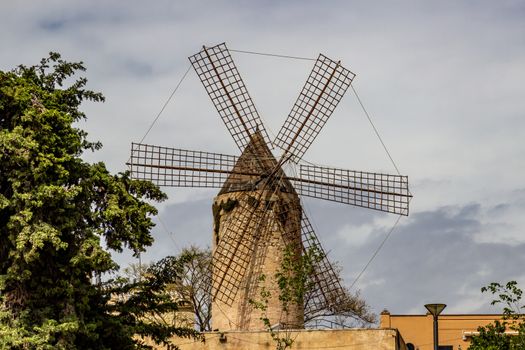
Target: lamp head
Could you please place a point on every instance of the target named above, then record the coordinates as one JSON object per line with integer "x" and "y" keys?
{"x": 435, "y": 309}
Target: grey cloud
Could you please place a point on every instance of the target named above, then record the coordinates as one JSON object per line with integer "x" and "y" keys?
{"x": 64, "y": 20}
{"x": 433, "y": 256}
{"x": 52, "y": 25}
{"x": 177, "y": 227}
{"x": 190, "y": 222}
{"x": 138, "y": 68}
{"x": 442, "y": 81}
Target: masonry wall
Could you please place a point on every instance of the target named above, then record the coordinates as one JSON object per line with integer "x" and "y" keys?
{"x": 265, "y": 260}
{"x": 340, "y": 339}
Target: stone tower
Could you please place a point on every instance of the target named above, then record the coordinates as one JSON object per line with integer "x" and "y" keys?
{"x": 279, "y": 233}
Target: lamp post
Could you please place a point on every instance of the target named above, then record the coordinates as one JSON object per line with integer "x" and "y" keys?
{"x": 435, "y": 310}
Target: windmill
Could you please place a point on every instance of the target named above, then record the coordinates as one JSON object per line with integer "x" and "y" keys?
{"x": 258, "y": 214}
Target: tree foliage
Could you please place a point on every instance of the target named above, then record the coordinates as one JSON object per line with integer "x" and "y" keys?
{"x": 350, "y": 310}
{"x": 190, "y": 284}
{"x": 195, "y": 284}
{"x": 282, "y": 337}
{"x": 296, "y": 287}
{"x": 56, "y": 211}
{"x": 493, "y": 336}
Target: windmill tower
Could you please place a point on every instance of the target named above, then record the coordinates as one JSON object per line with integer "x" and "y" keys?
{"x": 270, "y": 212}
{"x": 258, "y": 219}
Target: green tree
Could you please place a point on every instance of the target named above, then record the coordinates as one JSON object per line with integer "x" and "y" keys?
{"x": 55, "y": 212}
{"x": 296, "y": 287}
{"x": 493, "y": 336}
{"x": 194, "y": 285}
{"x": 191, "y": 283}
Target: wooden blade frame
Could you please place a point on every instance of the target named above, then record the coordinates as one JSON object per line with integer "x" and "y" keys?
{"x": 321, "y": 93}
{"x": 388, "y": 193}
{"x": 183, "y": 168}
{"x": 178, "y": 167}
{"x": 223, "y": 83}
{"x": 235, "y": 249}
{"x": 326, "y": 290}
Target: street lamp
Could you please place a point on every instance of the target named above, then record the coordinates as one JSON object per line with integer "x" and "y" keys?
{"x": 435, "y": 310}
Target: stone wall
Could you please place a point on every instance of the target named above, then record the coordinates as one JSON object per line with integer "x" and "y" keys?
{"x": 354, "y": 339}
{"x": 281, "y": 214}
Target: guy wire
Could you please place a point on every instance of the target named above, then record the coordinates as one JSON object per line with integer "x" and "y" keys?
{"x": 166, "y": 103}
{"x": 274, "y": 55}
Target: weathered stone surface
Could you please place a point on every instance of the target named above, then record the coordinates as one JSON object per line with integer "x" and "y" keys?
{"x": 257, "y": 217}
{"x": 340, "y": 339}
{"x": 282, "y": 230}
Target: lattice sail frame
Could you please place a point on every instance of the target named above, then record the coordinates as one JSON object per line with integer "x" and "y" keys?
{"x": 242, "y": 272}
{"x": 233, "y": 253}
{"x": 175, "y": 167}
{"x": 326, "y": 291}
{"x": 383, "y": 192}
{"x": 184, "y": 168}
{"x": 223, "y": 83}
{"x": 321, "y": 93}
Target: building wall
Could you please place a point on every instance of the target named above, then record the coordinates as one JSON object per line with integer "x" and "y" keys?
{"x": 454, "y": 330}
{"x": 266, "y": 259}
{"x": 340, "y": 339}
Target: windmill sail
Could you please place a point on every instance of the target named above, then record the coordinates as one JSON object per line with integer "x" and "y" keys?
{"x": 173, "y": 167}
{"x": 321, "y": 93}
{"x": 223, "y": 83}
{"x": 383, "y": 192}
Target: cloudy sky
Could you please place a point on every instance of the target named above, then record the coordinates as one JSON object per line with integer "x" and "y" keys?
{"x": 443, "y": 81}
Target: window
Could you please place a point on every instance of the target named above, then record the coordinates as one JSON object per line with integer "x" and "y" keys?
{"x": 445, "y": 347}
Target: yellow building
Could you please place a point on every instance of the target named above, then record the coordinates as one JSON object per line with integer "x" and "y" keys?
{"x": 454, "y": 331}
{"x": 303, "y": 339}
